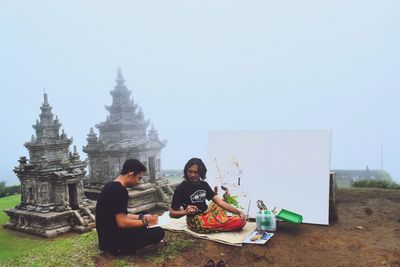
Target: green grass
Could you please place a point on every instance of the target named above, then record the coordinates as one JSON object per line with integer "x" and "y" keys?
{"x": 121, "y": 263}
{"x": 176, "y": 243}
{"x": 82, "y": 251}
{"x": 6, "y": 203}
{"x": 12, "y": 243}
{"x": 20, "y": 249}
{"x": 76, "y": 251}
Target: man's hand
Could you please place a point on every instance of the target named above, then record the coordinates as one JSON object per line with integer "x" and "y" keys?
{"x": 242, "y": 217}
{"x": 191, "y": 210}
{"x": 151, "y": 219}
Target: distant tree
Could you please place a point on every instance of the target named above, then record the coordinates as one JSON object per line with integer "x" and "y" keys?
{"x": 8, "y": 190}
{"x": 385, "y": 184}
{"x": 2, "y": 186}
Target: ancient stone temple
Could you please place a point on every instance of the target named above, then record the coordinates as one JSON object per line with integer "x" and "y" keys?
{"x": 52, "y": 198}
{"x": 124, "y": 135}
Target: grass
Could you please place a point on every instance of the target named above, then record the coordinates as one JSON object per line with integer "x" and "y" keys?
{"x": 20, "y": 249}
{"x": 176, "y": 243}
{"x": 8, "y": 202}
{"x": 121, "y": 263}
{"x": 12, "y": 243}
{"x": 82, "y": 251}
{"x": 74, "y": 251}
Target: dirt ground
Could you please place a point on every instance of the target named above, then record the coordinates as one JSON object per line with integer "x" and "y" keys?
{"x": 366, "y": 234}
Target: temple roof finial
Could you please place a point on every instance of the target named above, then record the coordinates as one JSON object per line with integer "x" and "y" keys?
{"x": 153, "y": 134}
{"x": 141, "y": 114}
{"x": 46, "y": 101}
{"x": 120, "y": 79}
{"x": 63, "y": 134}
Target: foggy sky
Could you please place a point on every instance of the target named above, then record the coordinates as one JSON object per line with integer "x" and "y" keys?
{"x": 199, "y": 66}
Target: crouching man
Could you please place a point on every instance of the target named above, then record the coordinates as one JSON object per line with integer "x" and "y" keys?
{"x": 118, "y": 231}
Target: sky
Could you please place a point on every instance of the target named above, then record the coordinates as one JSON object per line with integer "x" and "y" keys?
{"x": 200, "y": 66}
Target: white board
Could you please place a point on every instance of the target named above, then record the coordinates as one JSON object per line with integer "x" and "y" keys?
{"x": 285, "y": 169}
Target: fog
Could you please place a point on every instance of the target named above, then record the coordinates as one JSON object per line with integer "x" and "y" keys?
{"x": 200, "y": 66}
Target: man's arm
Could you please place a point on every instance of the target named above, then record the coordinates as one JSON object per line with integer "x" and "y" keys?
{"x": 177, "y": 202}
{"x": 123, "y": 221}
{"x": 220, "y": 202}
{"x": 190, "y": 209}
{"x": 132, "y": 220}
{"x": 133, "y": 216}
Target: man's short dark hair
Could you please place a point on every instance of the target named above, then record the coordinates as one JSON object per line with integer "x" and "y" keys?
{"x": 200, "y": 164}
{"x": 133, "y": 165}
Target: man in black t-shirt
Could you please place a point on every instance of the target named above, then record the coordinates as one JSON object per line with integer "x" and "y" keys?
{"x": 118, "y": 231}
{"x": 190, "y": 199}
{"x": 192, "y": 194}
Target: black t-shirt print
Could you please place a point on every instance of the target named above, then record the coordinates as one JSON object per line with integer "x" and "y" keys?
{"x": 192, "y": 194}
{"x": 112, "y": 200}
{"x": 198, "y": 196}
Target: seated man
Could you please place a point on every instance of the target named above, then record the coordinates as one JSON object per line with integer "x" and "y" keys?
{"x": 118, "y": 231}
{"x": 192, "y": 193}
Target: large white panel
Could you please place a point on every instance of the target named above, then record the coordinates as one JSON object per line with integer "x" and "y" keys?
{"x": 286, "y": 169}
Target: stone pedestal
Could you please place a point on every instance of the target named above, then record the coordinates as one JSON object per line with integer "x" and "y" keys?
{"x": 43, "y": 224}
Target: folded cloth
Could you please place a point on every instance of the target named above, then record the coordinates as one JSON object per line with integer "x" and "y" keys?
{"x": 229, "y": 238}
{"x": 215, "y": 219}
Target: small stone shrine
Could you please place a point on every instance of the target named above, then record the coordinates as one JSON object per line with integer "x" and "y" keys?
{"x": 124, "y": 135}
{"x": 52, "y": 197}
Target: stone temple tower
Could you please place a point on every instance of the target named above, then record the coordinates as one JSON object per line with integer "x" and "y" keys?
{"x": 124, "y": 135}
{"x": 52, "y": 198}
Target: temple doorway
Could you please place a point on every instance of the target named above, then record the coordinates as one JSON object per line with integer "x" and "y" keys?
{"x": 73, "y": 196}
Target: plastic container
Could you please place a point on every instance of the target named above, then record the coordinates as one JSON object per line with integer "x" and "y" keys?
{"x": 290, "y": 217}
{"x": 266, "y": 221}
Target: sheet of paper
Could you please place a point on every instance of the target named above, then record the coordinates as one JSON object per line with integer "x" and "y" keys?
{"x": 162, "y": 220}
{"x": 258, "y": 237}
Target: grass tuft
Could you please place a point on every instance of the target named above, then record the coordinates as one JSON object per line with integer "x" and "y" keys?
{"x": 75, "y": 251}
{"x": 121, "y": 263}
{"x": 175, "y": 244}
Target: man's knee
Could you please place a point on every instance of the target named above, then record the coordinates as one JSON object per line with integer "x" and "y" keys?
{"x": 158, "y": 233}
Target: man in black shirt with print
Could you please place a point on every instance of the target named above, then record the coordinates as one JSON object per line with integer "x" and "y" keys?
{"x": 118, "y": 231}
{"x": 190, "y": 200}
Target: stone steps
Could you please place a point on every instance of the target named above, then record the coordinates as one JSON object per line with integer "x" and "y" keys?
{"x": 84, "y": 220}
